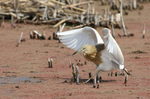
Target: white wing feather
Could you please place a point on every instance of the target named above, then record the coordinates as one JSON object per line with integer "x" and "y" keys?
{"x": 77, "y": 38}
{"x": 113, "y": 48}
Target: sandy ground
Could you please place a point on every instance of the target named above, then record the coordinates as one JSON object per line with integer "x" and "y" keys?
{"x": 24, "y": 72}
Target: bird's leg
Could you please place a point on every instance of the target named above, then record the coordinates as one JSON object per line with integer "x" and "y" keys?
{"x": 90, "y": 75}
{"x": 100, "y": 79}
{"x": 96, "y": 79}
{"x": 94, "y": 76}
{"x": 126, "y": 71}
{"x": 121, "y": 73}
{"x": 126, "y": 76}
{"x": 94, "y": 85}
{"x": 126, "y": 79}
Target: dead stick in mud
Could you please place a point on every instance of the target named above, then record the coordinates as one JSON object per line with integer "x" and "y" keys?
{"x": 77, "y": 4}
{"x": 40, "y": 36}
{"x": 19, "y": 41}
{"x": 2, "y": 22}
{"x": 134, "y": 4}
{"x": 12, "y": 22}
{"x": 62, "y": 27}
{"x": 122, "y": 19}
{"x": 77, "y": 74}
{"x": 79, "y": 26}
{"x": 73, "y": 72}
{"x": 113, "y": 31}
{"x": 88, "y": 13}
{"x": 32, "y": 35}
{"x": 50, "y": 63}
{"x": 16, "y": 3}
{"x": 37, "y": 33}
{"x": 59, "y": 23}
{"x": 143, "y": 32}
{"x": 63, "y": 4}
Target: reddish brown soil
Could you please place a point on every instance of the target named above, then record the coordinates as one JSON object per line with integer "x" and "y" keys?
{"x": 29, "y": 60}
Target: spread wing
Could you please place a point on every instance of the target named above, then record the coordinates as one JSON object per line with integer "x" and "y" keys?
{"x": 113, "y": 48}
{"x": 77, "y": 38}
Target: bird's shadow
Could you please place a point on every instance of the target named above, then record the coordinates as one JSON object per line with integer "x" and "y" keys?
{"x": 82, "y": 81}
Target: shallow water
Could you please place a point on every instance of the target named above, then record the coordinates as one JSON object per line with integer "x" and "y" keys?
{"x": 14, "y": 80}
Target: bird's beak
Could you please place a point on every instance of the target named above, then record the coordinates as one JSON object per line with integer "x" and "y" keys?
{"x": 75, "y": 53}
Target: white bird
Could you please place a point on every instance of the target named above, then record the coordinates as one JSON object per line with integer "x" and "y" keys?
{"x": 105, "y": 53}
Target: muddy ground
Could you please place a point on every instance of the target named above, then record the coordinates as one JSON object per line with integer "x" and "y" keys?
{"x": 24, "y": 72}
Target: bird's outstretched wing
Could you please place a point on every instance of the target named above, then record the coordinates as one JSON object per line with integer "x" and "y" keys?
{"x": 77, "y": 38}
{"x": 113, "y": 48}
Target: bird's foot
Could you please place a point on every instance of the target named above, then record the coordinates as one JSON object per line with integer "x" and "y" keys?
{"x": 100, "y": 79}
{"x": 125, "y": 81}
{"x": 96, "y": 85}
